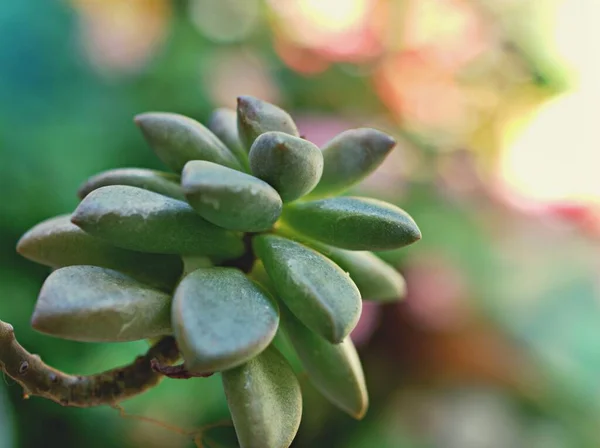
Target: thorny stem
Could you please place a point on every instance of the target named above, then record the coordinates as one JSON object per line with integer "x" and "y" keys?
{"x": 106, "y": 388}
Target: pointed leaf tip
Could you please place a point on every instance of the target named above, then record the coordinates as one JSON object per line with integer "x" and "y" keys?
{"x": 221, "y": 319}
{"x": 313, "y": 287}
{"x": 177, "y": 139}
{"x": 350, "y": 157}
{"x": 334, "y": 369}
{"x": 255, "y": 117}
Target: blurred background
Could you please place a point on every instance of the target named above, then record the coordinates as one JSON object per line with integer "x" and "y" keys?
{"x": 492, "y": 101}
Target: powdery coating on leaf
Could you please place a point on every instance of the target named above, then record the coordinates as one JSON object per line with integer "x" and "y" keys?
{"x": 177, "y": 139}
{"x": 350, "y": 157}
{"x": 221, "y": 319}
{"x": 152, "y": 180}
{"x": 334, "y": 369}
{"x": 265, "y": 401}
{"x": 353, "y": 223}
{"x": 88, "y": 303}
{"x": 57, "y": 242}
{"x": 229, "y": 198}
{"x": 315, "y": 289}
{"x": 141, "y": 220}
{"x": 255, "y": 117}
{"x": 292, "y": 165}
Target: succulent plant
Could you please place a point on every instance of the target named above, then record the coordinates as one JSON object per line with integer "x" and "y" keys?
{"x": 245, "y": 238}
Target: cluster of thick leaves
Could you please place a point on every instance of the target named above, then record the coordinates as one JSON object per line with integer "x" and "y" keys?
{"x": 139, "y": 258}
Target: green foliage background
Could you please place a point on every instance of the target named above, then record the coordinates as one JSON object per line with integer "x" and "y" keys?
{"x": 531, "y": 291}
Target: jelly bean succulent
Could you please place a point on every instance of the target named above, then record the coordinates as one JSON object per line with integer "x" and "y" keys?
{"x": 245, "y": 237}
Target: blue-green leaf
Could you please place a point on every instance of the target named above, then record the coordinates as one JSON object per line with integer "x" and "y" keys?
{"x": 141, "y": 220}
{"x": 350, "y": 157}
{"x": 229, "y": 198}
{"x": 223, "y": 122}
{"x": 334, "y": 369}
{"x": 292, "y": 165}
{"x": 177, "y": 139}
{"x": 57, "y": 243}
{"x": 92, "y": 304}
{"x": 353, "y": 223}
{"x": 221, "y": 319}
{"x": 265, "y": 401}
{"x": 255, "y": 117}
{"x": 314, "y": 288}
{"x": 152, "y": 180}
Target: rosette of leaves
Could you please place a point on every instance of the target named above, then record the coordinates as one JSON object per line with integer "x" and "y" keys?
{"x": 246, "y": 235}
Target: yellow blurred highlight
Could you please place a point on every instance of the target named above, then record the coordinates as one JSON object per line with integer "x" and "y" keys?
{"x": 338, "y": 28}
{"x": 557, "y": 156}
{"x": 334, "y": 16}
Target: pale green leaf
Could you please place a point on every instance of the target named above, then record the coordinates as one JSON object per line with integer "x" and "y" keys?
{"x": 265, "y": 401}
{"x": 221, "y": 319}
{"x": 230, "y": 199}
{"x": 141, "y": 220}
{"x": 92, "y": 304}
{"x": 353, "y": 223}
{"x": 313, "y": 287}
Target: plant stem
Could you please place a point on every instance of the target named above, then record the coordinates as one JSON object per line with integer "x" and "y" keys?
{"x": 106, "y": 388}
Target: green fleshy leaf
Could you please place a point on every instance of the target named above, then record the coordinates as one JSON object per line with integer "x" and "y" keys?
{"x": 353, "y": 223}
{"x": 292, "y": 165}
{"x": 141, "y": 220}
{"x": 219, "y": 437}
{"x": 92, "y": 304}
{"x": 255, "y": 117}
{"x": 265, "y": 401}
{"x": 374, "y": 278}
{"x": 350, "y": 157}
{"x": 152, "y": 180}
{"x": 177, "y": 139}
{"x": 334, "y": 369}
{"x": 229, "y": 198}
{"x": 313, "y": 287}
{"x": 223, "y": 122}
{"x": 57, "y": 243}
{"x": 221, "y": 319}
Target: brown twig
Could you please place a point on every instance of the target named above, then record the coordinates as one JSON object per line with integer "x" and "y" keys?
{"x": 178, "y": 372}
{"x": 106, "y": 388}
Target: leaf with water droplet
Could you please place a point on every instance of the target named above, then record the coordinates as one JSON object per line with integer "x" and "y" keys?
{"x": 57, "y": 242}
{"x": 230, "y": 199}
{"x": 152, "y": 180}
{"x": 292, "y": 165}
{"x": 313, "y": 287}
{"x": 350, "y": 157}
{"x": 334, "y": 369}
{"x": 177, "y": 139}
{"x": 255, "y": 117}
{"x": 353, "y": 223}
{"x": 265, "y": 401}
{"x": 221, "y": 319}
{"x": 141, "y": 220}
{"x": 92, "y": 304}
